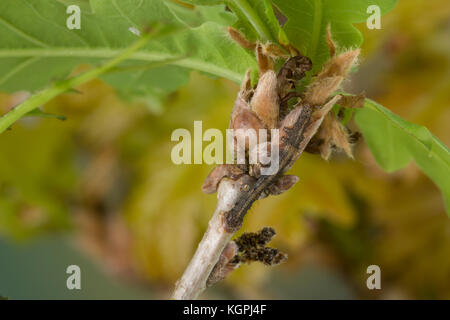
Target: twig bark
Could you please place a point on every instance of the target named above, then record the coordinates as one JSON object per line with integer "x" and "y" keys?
{"x": 236, "y": 197}
{"x": 193, "y": 281}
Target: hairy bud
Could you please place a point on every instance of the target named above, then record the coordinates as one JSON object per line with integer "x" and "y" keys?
{"x": 265, "y": 102}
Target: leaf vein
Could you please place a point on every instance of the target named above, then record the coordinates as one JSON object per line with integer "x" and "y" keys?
{"x": 23, "y": 34}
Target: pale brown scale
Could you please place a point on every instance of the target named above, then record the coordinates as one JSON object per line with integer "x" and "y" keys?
{"x": 288, "y": 122}
{"x": 218, "y": 173}
{"x": 265, "y": 101}
{"x": 330, "y": 78}
{"x": 243, "y": 118}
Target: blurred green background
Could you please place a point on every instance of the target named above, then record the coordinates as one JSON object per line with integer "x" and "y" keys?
{"x": 99, "y": 190}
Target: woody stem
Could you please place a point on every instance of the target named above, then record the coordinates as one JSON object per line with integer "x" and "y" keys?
{"x": 194, "y": 279}
{"x": 235, "y": 199}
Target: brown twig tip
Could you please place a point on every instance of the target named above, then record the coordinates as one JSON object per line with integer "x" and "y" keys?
{"x": 330, "y": 42}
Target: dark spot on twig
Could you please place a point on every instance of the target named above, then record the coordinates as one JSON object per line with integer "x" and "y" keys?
{"x": 252, "y": 247}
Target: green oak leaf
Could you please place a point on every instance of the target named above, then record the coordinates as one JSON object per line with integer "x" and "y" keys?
{"x": 394, "y": 142}
{"x": 194, "y": 17}
{"x": 203, "y": 2}
{"x": 37, "y": 48}
{"x": 257, "y": 20}
{"x": 308, "y": 20}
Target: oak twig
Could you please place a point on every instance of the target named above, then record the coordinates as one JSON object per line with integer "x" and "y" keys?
{"x": 237, "y": 190}
{"x": 236, "y": 197}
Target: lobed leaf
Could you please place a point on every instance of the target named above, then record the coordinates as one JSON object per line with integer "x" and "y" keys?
{"x": 37, "y": 48}
{"x": 394, "y": 142}
{"x": 308, "y": 20}
{"x": 257, "y": 20}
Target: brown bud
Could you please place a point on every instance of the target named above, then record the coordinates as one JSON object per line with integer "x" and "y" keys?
{"x": 265, "y": 102}
{"x": 340, "y": 65}
{"x": 265, "y": 63}
{"x": 339, "y": 135}
{"x": 330, "y": 42}
{"x": 330, "y": 78}
{"x": 333, "y": 134}
{"x": 320, "y": 90}
{"x": 242, "y": 117}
